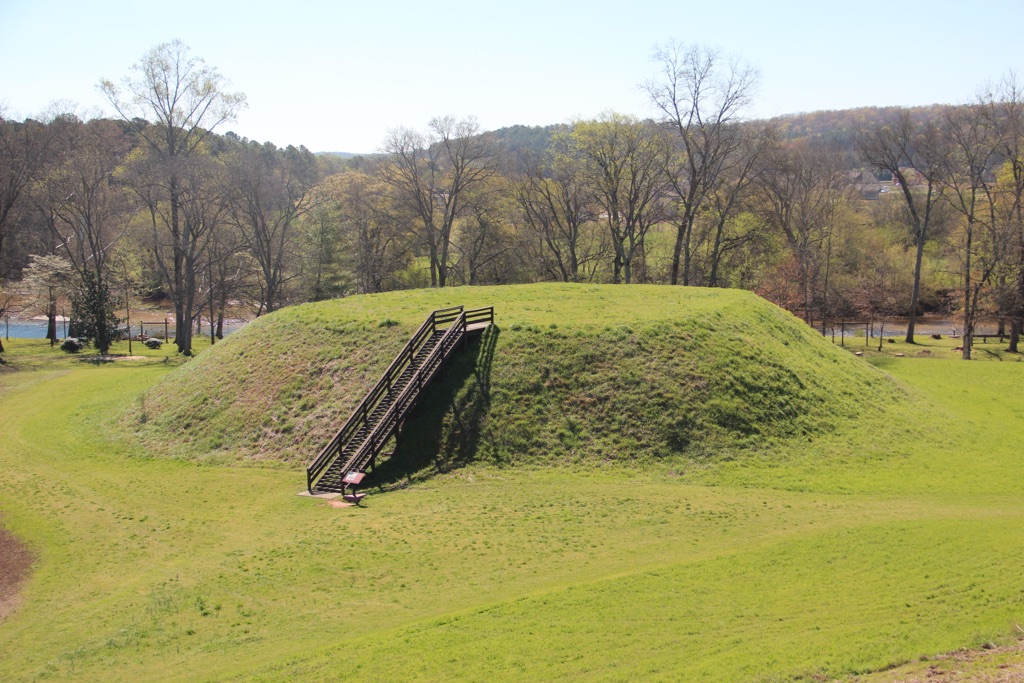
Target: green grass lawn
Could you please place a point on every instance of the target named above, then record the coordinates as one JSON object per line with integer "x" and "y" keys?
{"x": 851, "y": 550}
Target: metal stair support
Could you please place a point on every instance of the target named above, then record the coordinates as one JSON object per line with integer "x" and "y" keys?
{"x": 382, "y": 412}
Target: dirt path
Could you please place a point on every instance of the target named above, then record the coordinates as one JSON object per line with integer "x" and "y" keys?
{"x": 993, "y": 665}
{"x": 15, "y": 562}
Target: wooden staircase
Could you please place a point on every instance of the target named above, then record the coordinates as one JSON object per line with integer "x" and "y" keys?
{"x": 354, "y": 449}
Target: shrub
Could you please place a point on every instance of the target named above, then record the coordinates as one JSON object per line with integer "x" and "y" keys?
{"x": 71, "y": 345}
{"x": 153, "y": 343}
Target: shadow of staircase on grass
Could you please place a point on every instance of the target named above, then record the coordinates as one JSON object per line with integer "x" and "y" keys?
{"x": 444, "y": 431}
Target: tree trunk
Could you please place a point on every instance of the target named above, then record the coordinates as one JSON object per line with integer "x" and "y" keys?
{"x": 687, "y": 256}
{"x": 677, "y": 251}
{"x": 716, "y": 253}
{"x": 51, "y": 322}
{"x": 968, "y": 304}
{"x": 916, "y": 293}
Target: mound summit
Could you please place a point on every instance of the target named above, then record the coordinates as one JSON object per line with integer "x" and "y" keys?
{"x": 569, "y": 374}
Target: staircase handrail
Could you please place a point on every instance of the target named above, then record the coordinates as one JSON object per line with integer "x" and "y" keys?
{"x": 359, "y": 415}
{"x": 388, "y": 422}
{"x": 476, "y": 315}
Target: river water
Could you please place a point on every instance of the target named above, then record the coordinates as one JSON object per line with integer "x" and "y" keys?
{"x": 36, "y": 329}
{"x": 926, "y": 326}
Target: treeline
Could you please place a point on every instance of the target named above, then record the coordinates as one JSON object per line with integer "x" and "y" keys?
{"x": 159, "y": 203}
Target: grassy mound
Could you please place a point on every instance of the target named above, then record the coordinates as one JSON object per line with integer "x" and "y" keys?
{"x": 573, "y": 373}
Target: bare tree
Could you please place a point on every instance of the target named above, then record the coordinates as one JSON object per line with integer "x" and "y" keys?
{"x": 483, "y": 241}
{"x": 186, "y": 100}
{"x": 269, "y": 192}
{"x": 752, "y": 146}
{"x": 24, "y": 150}
{"x": 558, "y": 212}
{"x": 800, "y": 196}
{"x": 877, "y": 291}
{"x": 87, "y": 212}
{"x": 1007, "y": 110}
{"x": 966, "y": 173}
{"x": 371, "y": 230}
{"x": 228, "y": 268}
{"x": 909, "y": 151}
{"x": 429, "y": 176}
{"x": 701, "y": 95}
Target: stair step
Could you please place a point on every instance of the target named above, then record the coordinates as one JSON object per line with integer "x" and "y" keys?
{"x": 350, "y": 455}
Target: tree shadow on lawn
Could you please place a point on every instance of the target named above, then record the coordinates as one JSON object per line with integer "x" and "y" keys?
{"x": 443, "y": 431}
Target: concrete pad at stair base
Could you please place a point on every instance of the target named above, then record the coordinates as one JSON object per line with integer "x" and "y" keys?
{"x": 321, "y": 496}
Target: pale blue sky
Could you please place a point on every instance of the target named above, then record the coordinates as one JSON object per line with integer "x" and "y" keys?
{"x": 337, "y": 75}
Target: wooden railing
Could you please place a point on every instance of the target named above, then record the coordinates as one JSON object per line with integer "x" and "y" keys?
{"x": 378, "y": 429}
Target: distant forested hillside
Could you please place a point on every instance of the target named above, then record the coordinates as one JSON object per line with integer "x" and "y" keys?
{"x": 861, "y": 213}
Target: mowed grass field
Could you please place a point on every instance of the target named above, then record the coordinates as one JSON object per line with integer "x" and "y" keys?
{"x": 888, "y": 538}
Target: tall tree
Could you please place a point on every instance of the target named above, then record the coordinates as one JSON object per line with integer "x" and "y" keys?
{"x": 701, "y": 95}
{"x": 24, "y": 150}
{"x": 484, "y": 241}
{"x": 909, "y": 152}
{"x": 753, "y": 143}
{"x": 1007, "y": 110}
{"x": 622, "y": 160}
{"x": 429, "y": 176}
{"x": 172, "y": 101}
{"x": 87, "y": 211}
{"x": 269, "y": 192}
{"x": 800, "y": 197}
{"x": 371, "y": 241}
{"x": 966, "y": 173}
{"x": 558, "y": 212}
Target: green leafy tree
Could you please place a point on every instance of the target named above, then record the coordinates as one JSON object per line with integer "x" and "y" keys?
{"x": 622, "y": 161}
{"x": 92, "y": 312}
{"x": 429, "y": 176}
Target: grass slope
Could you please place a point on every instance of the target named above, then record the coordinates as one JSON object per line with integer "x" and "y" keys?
{"x": 574, "y": 373}
{"x": 891, "y": 536}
